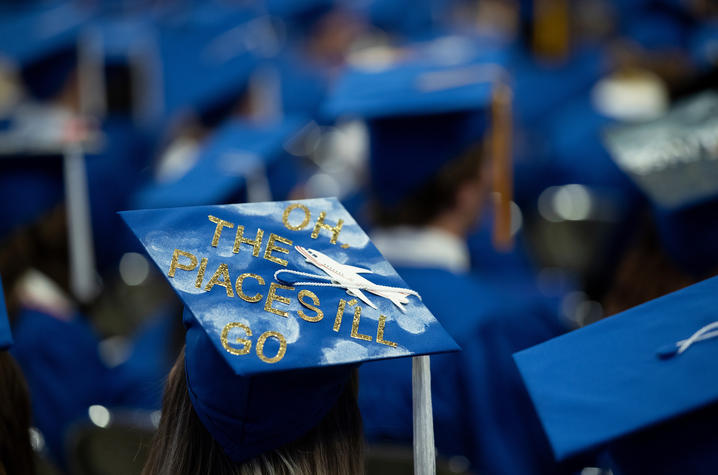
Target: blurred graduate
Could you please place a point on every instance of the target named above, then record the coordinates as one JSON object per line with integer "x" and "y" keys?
{"x": 438, "y": 147}
{"x": 267, "y": 380}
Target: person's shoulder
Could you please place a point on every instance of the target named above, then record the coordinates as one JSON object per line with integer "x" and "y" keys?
{"x": 468, "y": 303}
{"x": 459, "y": 301}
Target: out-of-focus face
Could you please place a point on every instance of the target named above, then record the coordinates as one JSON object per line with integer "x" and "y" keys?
{"x": 333, "y": 36}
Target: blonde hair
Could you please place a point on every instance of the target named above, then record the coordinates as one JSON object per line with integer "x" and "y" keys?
{"x": 182, "y": 446}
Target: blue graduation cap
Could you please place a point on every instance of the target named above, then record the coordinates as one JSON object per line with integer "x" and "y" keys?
{"x": 673, "y": 162}
{"x": 657, "y": 30}
{"x": 5, "y": 335}
{"x": 704, "y": 45}
{"x": 422, "y": 114}
{"x": 207, "y": 60}
{"x": 241, "y": 160}
{"x": 32, "y": 32}
{"x": 411, "y": 19}
{"x": 284, "y": 298}
{"x": 39, "y": 40}
{"x": 632, "y": 374}
{"x": 299, "y": 13}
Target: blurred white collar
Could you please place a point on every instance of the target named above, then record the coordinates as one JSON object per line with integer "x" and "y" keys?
{"x": 422, "y": 247}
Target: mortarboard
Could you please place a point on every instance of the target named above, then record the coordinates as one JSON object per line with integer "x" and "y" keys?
{"x": 40, "y": 41}
{"x": 301, "y": 15}
{"x": 657, "y": 30}
{"x": 207, "y": 58}
{"x": 274, "y": 302}
{"x": 629, "y": 375}
{"x": 5, "y": 334}
{"x": 422, "y": 114}
{"x": 704, "y": 45}
{"x": 673, "y": 162}
{"x": 240, "y": 160}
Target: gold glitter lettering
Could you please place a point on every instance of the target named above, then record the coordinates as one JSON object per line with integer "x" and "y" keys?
{"x": 380, "y": 333}
{"x": 288, "y": 211}
{"x": 271, "y": 246}
{"x": 315, "y": 300}
{"x": 174, "y": 265}
{"x": 335, "y": 230}
{"x": 355, "y": 326}
{"x": 282, "y": 346}
{"x": 218, "y": 230}
{"x": 256, "y": 243}
{"x": 240, "y": 292}
{"x": 223, "y": 272}
{"x": 200, "y": 273}
{"x": 247, "y": 343}
{"x": 340, "y": 312}
{"x": 272, "y": 296}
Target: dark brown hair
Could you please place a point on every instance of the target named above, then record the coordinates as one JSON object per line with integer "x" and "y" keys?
{"x": 182, "y": 446}
{"x": 645, "y": 272}
{"x": 16, "y": 457}
{"x": 435, "y": 196}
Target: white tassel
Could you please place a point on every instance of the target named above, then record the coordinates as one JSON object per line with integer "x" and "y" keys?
{"x": 424, "y": 450}
{"x": 82, "y": 254}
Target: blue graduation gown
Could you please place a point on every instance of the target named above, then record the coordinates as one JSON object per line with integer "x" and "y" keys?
{"x": 481, "y": 409}
{"x": 139, "y": 381}
{"x": 64, "y": 373}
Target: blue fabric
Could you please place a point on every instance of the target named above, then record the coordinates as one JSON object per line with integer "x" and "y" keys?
{"x": 234, "y": 151}
{"x": 204, "y": 63}
{"x": 44, "y": 27}
{"x": 607, "y": 380}
{"x": 421, "y": 115}
{"x": 240, "y": 397}
{"x": 405, "y": 152}
{"x": 63, "y": 371}
{"x": 704, "y": 45}
{"x": 657, "y": 30}
{"x": 303, "y": 84}
{"x": 670, "y": 161}
{"x": 5, "y": 334}
{"x": 139, "y": 381}
{"x": 540, "y": 88}
{"x": 481, "y": 410}
{"x": 43, "y": 175}
{"x": 408, "y": 18}
{"x": 414, "y": 87}
{"x": 113, "y": 176}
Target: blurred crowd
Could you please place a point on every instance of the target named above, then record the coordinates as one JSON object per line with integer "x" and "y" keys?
{"x": 592, "y": 108}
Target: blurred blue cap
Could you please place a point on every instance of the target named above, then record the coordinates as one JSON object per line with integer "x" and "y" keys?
{"x": 40, "y": 41}
{"x": 33, "y": 32}
{"x": 674, "y": 161}
{"x": 626, "y": 375}
{"x": 268, "y": 356}
{"x": 657, "y": 30}
{"x": 234, "y": 155}
{"x": 5, "y": 334}
{"x": 704, "y": 45}
{"x": 420, "y": 116}
{"x": 409, "y": 18}
{"x": 299, "y": 14}
{"x": 207, "y": 61}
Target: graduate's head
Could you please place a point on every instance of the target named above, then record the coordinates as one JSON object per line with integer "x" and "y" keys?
{"x": 16, "y": 455}
{"x": 434, "y": 131}
{"x": 672, "y": 161}
{"x": 183, "y": 445}
{"x": 268, "y": 374}
{"x": 40, "y": 39}
{"x": 424, "y": 167}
